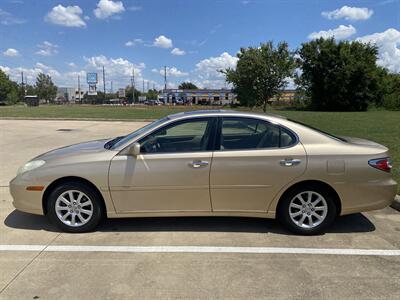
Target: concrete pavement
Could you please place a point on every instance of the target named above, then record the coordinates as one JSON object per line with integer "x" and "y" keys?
{"x": 119, "y": 275}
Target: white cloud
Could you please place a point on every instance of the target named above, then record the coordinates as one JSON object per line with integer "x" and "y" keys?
{"x": 11, "y": 52}
{"x": 133, "y": 43}
{"x": 173, "y": 72}
{"x": 69, "y": 16}
{"x": 349, "y": 13}
{"x": 389, "y": 47}
{"x": 117, "y": 69}
{"x": 210, "y": 67}
{"x": 47, "y": 49}
{"x": 71, "y": 64}
{"x": 30, "y": 74}
{"x": 7, "y": 18}
{"x": 177, "y": 51}
{"x": 340, "y": 32}
{"x": 162, "y": 42}
{"x": 107, "y": 8}
{"x": 134, "y": 8}
{"x": 207, "y": 72}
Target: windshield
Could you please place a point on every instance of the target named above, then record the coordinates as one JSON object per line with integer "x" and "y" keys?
{"x": 319, "y": 130}
{"x": 122, "y": 140}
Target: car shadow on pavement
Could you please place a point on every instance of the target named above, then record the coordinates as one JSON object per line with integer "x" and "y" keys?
{"x": 345, "y": 224}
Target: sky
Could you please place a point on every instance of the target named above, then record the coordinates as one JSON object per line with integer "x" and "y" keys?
{"x": 194, "y": 39}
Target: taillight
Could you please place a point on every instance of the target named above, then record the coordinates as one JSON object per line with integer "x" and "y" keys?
{"x": 383, "y": 164}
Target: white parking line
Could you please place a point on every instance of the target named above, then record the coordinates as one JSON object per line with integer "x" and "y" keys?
{"x": 200, "y": 249}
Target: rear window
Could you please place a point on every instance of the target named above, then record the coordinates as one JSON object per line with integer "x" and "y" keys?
{"x": 319, "y": 131}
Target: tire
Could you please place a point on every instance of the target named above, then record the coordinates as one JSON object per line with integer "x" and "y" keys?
{"x": 82, "y": 214}
{"x": 303, "y": 217}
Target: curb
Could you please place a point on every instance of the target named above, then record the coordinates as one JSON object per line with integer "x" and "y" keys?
{"x": 396, "y": 203}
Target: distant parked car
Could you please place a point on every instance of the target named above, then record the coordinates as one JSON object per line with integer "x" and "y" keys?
{"x": 209, "y": 163}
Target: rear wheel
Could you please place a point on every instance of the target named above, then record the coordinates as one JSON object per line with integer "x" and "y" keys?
{"x": 74, "y": 207}
{"x": 307, "y": 210}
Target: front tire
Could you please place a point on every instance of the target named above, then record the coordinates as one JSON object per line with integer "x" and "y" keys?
{"x": 74, "y": 207}
{"x": 307, "y": 210}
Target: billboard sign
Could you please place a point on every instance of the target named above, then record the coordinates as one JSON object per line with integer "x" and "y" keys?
{"x": 91, "y": 78}
{"x": 121, "y": 93}
{"x": 92, "y": 90}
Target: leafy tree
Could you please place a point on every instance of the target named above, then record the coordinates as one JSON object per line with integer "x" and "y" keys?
{"x": 187, "y": 86}
{"x": 45, "y": 87}
{"x": 339, "y": 76}
{"x": 391, "y": 99}
{"x": 8, "y": 89}
{"x": 152, "y": 94}
{"x": 12, "y": 97}
{"x": 128, "y": 94}
{"x": 261, "y": 73}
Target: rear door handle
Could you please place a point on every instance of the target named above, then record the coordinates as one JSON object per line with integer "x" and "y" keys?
{"x": 198, "y": 164}
{"x": 289, "y": 162}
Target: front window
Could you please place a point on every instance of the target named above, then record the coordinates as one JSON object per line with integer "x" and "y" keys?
{"x": 182, "y": 136}
{"x": 248, "y": 133}
{"x": 122, "y": 140}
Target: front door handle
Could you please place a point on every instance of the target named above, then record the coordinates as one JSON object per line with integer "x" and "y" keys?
{"x": 289, "y": 162}
{"x": 198, "y": 164}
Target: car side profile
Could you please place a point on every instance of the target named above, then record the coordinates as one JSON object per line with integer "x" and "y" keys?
{"x": 209, "y": 163}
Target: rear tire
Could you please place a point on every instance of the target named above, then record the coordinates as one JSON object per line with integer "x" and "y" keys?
{"x": 75, "y": 207}
{"x": 307, "y": 210}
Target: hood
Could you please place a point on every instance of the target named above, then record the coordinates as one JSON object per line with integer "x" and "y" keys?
{"x": 76, "y": 149}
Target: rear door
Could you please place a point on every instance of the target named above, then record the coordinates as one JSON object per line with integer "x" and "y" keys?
{"x": 253, "y": 161}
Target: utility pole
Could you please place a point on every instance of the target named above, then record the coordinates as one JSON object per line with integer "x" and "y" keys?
{"x": 111, "y": 87}
{"x": 143, "y": 87}
{"x": 79, "y": 89}
{"x": 148, "y": 85}
{"x": 165, "y": 77}
{"x": 104, "y": 85}
{"x": 133, "y": 85}
{"x": 22, "y": 83}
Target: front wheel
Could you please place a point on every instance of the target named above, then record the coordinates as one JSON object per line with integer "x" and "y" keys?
{"x": 74, "y": 207}
{"x": 307, "y": 210}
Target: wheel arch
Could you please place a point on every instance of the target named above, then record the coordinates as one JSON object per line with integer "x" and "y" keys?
{"x": 317, "y": 183}
{"x": 70, "y": 179}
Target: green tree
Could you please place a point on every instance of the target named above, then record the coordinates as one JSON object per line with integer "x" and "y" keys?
{"x": 261, "y": 73}
{"x": 12, "y": 97}
{"x": 8, "y": 89}
{"x": 339, "y": 76}
{"x": 187, "y": 86}
{"x": 45, "y": 87}
{"x": 391, "y": 98}
{"x": 128, "y": 94}
{"x": 152, "y": 94}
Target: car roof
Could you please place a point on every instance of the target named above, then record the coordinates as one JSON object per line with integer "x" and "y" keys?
{"x": 222, "y": 112}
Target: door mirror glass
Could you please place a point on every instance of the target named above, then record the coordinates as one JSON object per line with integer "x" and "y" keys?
{"x": 134, "y": 149}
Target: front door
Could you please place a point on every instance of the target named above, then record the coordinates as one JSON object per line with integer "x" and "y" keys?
{"x": 254, "y": 161}
{"x": 172, "y": 172}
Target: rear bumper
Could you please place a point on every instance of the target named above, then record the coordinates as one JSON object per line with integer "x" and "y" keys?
{"x": 367, "y": 196}
{"x": 26, "y": 201}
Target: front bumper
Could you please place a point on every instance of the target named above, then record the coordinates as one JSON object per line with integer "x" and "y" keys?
{"x": 26, "y": 201}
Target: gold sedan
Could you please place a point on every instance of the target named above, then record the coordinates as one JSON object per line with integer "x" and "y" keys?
{"x": 209, "y": 163}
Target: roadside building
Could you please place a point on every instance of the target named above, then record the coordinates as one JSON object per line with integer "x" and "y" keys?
{"x": 199, "y": 96}
{"x": 68, "y": 95}
{"x": 284, "y": 98}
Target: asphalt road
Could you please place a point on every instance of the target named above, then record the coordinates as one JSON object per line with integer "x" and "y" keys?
{"x": 91, "y": 273}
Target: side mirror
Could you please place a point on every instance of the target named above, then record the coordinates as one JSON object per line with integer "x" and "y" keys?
{"x": 134, "y": 149}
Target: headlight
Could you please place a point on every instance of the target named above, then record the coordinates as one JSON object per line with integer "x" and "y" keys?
{"x": 29, "y": 166}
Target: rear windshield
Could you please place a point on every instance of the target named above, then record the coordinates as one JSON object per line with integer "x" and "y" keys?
{"x": 319, "y": 130}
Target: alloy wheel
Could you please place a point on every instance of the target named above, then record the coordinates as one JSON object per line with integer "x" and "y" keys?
{"x": 74, "y": 208}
